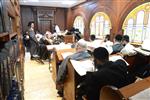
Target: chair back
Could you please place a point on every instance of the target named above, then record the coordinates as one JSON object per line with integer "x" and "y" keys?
{"x": 69, "y": 39}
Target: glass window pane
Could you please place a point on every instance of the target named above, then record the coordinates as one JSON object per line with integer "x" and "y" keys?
{"x": 149, "y": 19}
{"x": 138, "y": 34}
{"x": 101, "y": 28}
{"x": 139, "y": 26}
{"x": 140, "y": 18}
{"x": 100, "y": 25}
{"x": 97, "y": 29}
{"x": 129, "y": 29}
{"x": 136, "y": 28}
{"x": 106, "y": 28}
{"x": 97, "y": 19}
{"x": 130, "y": 22}
{"x": 147, "y": 33}
{"x": 79, "y": 23}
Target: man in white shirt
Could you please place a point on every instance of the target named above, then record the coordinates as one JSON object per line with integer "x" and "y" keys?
{"x": 128, "y": 48}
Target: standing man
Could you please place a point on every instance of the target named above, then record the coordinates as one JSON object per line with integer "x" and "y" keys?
{"x": 33, "y": 41}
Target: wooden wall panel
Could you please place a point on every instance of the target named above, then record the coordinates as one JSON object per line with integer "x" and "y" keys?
{"x": 117, "y": 10}
{"x": 29, "y": 13}
{"x": 26, "y": 16}
{"x": 60, "y": 18}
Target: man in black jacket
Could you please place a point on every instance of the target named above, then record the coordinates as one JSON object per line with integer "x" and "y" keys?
{"x": 33, "y": 41}
{"x": 108, "y": 73}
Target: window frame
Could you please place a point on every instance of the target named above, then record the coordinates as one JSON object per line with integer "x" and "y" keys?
{"x": 101, "y": 25}
{"x": 144, "y": 26}
{"x": 78, "y": 20}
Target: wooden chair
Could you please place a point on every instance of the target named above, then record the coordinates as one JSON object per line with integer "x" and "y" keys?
{"x": 124, "y": 93}
{"x": 110, "y": 93}
{"x": 69, "y": 39}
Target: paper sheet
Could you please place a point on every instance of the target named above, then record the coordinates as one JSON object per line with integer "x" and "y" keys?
{"x": 65, "y": 54}
{"x": 116, "y": 57}
{"x": 59, "y": 47}
{"x": 143, "y": 95}
{"x": 145, "y": 53}
{"x": 82, "y": 67}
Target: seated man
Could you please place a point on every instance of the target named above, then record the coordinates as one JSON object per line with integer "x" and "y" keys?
{"x": 38, "y": 51}
{"x": 92, "y": 37}
{"x": 107, "y": 41}
{"x": 108, "y": 73}
{"x": 81, "y": 53}
{"x": 117, "y": 47}
{"x": 128, "y": 48}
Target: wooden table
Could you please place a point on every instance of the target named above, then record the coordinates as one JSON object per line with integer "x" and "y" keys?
{"x": 56, "y": 59}
{"x": 71, "y": 81}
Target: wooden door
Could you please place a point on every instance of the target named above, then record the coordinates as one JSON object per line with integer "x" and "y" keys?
{"x": 45, "y": 25}
{"x": 45, "y": 20}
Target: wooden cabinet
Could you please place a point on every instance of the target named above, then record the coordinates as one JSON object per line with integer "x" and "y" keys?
{"x": 11, "y": 50}
{"x": 45, "y": 20}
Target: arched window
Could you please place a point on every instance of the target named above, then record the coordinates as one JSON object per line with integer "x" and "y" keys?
{"x": 147, "y": 33}
{"x": 100, "y": 25}
{"x": 137, "y": 23}
{"x": 79, "y": 24}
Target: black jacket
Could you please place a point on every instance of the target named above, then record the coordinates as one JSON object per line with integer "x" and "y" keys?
{"x": 33, "y": 43}
{"x": 111, "y": 73}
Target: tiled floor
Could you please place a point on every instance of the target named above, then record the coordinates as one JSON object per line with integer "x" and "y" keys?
{"x": 38, "y": 81}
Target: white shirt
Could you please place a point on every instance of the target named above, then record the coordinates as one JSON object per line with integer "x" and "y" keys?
{"x": 128, "y": 50}
{"x": 38, "y": 36}
{"x": 57, "y": 29}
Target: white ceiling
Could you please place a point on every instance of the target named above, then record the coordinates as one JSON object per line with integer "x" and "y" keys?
{"x": 52, "y": 3}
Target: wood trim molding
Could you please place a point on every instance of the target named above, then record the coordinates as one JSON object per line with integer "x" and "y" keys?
{"x": 3, "y": 34}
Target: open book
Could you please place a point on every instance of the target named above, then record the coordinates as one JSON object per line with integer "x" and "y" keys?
{"x": 143, "y": 52}
{"x": 83, "y": 66}
{"x": 66, "y": 54}
{"x": 116, "y": 57}
{"x": 143, "y": 95}
{"x": 59, "y": 46}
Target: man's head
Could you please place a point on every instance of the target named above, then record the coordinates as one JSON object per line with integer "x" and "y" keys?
{"x": 92, "y": 37}
{"x": 125, "y": 40}
{"x": 101, "y": 56}
{"x": 107, "y": 38}
{"x": 31, "y": 24}
{"x": 118, "y": 38}
{"x": 81, "y": 45}
{"x": 48, "y": 34}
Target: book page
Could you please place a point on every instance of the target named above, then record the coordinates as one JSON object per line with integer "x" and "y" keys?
{"x": 59, "y": 47}
{"x": 116, "y": 57}
{"x": 143, "y": 95}
{"x": 66, "y": 54}
{"x": 82, "y": 67}
{"x": 143, "y": 52}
